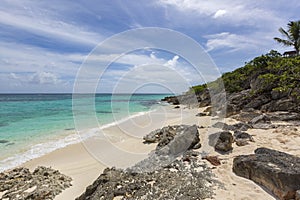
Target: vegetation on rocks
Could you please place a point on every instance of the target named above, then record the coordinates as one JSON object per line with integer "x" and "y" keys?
{"x": 266, "y": 73}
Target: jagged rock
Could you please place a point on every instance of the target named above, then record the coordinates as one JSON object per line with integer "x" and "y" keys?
{"x": 222, "y": 141}
{"x": 260, "y": 119}
{"x": 178, "y": 180}
{"x": 43, "y": 183}
{"x": 241, "y": 126}
{"x": 242, "y": 138}
{"x": 238, "y": 126}
{"x": 264, "y": 126}
{"x": 257, "y": 102}
{"x": 280, "y": 105}
{"x": 277, "y": 171}
{"x": 223, "y": 126}
{"x": 173, "y": 141}
{"x": 246, "y": 116}
{"x": 284, "y": 116}
{"x": 165, "y": 135}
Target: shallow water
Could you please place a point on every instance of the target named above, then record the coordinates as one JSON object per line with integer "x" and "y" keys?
{"x": 35, "y": 124}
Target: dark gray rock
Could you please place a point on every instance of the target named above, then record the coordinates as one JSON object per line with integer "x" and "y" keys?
{"x": 4, "y": 141}
{"x": 43, "y": 183}
{"x": 264, "y": 126}
{"x": 245, "y": 116}
{"x": 241, "y": 126}
{"x": 173, "y": 142}
{"x": 279, "y": 172}
{"x": 166, "y": 134}
{"x": 260, "y": 119}
{"x": 201, "y": 114}
{"x": 238, "y": 126}
{"x": 181, "y": 179}
{"x": 258, "y": 102}
{"x": 242, "y": 138}
{"x": 223, "y": 126}
{"x": 284, "y": 116}
{"x": 280, "y": 105}
{"x": 222, "y": 141}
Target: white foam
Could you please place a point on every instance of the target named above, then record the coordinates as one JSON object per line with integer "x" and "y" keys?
{"x": 39, "y": 150}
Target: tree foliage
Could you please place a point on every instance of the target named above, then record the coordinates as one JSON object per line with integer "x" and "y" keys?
{"x": 272, "y": 70}
{"x": 292, "y": 35}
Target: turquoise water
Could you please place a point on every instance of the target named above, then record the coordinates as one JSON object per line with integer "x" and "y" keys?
{"x": 34, "y": 124}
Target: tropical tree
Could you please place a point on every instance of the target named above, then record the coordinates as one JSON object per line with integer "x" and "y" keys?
{"x": 292, "y": 35}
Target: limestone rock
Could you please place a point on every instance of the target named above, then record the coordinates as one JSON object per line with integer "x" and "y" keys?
{"x": 185, "y": 178}
{"x": 43, "y": 183}
{"x": 277, "y": 171}
{"x": 173, "y": 142}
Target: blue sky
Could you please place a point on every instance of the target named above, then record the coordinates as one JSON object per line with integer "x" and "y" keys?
{"x": 43, "y": 43}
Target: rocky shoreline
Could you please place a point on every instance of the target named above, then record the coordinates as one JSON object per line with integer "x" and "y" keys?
{"x": 177, "y": 169}
{"x": 176, "y": 162}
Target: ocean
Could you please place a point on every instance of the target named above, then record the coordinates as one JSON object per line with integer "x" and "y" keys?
{"x": 32, "y": 125}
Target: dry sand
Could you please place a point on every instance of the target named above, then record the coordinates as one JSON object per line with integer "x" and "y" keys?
{"x": 121, "y": 146}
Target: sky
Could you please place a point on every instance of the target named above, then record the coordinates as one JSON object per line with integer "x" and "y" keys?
{"x": 45, "y": 44}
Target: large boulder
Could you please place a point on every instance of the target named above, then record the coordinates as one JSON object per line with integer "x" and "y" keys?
{"x": 277, "y": 171}
{"x": 182, "y": 134}
{"x": 222, "y": 141}
{"x": 173, "y": 142}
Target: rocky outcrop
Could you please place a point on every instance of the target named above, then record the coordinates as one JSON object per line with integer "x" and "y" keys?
{"x": 42, "y": 183}
{"x": 172, "y": 141}
{"x": 277, "y": 171}
{"x": 185, "y": 178}
{"x": 178, "y": 134}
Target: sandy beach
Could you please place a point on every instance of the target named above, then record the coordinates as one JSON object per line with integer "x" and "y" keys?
{"x": 123, "y": 146}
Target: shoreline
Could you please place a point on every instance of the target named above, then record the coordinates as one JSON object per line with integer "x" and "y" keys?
{"x": 71, "y": 138}
{"x": 84, "y": 161}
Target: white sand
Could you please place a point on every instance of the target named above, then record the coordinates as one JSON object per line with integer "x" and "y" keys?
{"x": 122, "y": 147}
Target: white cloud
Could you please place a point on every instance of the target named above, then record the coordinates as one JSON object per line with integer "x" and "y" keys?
{"x": 219, "y": 13}
{"x": 173, "y": 62}
{"x": 44, "y": 78}
{"x": 35, "y": 19}
{"x": 233, "y": 12}
{"x": 235, "y": 42}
